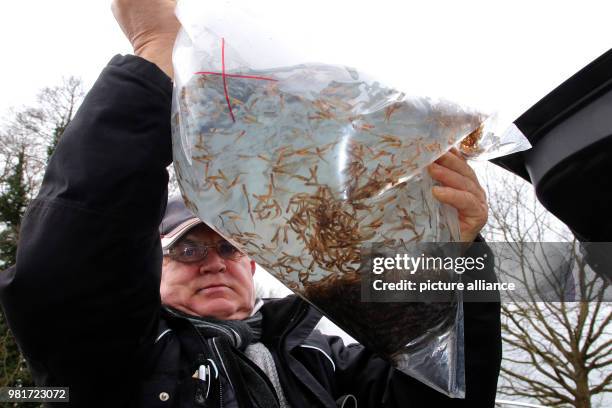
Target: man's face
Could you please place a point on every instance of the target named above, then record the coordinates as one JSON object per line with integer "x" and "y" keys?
{"x": 213, "y": 287}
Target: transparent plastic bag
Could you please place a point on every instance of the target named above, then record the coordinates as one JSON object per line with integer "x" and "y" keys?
{"x": 306, "y": 165}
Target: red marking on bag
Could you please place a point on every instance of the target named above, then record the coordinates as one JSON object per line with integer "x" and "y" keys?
{"x": 225, "y": 76}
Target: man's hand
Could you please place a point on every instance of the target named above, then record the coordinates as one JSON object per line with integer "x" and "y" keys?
{"x": 151, "y": 28}
{"x": 460, "y": 189}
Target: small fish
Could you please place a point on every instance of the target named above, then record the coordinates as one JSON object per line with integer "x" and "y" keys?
{"x": 389, "y": 110}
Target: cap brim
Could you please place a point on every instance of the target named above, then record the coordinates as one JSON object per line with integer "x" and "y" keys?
{"x": 173, "y": 236}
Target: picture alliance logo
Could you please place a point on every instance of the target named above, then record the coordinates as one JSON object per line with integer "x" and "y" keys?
{"x": 411, "y": 264}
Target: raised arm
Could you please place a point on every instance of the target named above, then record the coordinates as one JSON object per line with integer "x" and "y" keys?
{"x": 83, "y": 298}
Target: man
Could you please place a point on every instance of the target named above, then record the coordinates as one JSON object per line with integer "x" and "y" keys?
{"x": 202, "y": 274}
{"x": 85, "y": 297}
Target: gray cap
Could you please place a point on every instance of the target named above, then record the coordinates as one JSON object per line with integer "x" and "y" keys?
{"x": 177, "y": 221}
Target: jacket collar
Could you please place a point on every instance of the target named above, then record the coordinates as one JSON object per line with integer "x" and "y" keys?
{"x": 288, "y": 315}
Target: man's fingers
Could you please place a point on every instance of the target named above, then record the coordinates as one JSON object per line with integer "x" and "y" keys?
{"x": 457, "y": 153}
{"x": 460, "y": 190}
{"x": 458, "y": 164}
{"x": 465, "y": 202}
{"x": 454, "y": 161}
{"x": 450, "y": 178}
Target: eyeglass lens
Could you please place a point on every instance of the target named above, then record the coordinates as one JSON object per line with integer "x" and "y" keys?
{"x": 194, "y": 252}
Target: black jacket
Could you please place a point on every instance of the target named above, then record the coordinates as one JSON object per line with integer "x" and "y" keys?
{"x": 83, "y": 299}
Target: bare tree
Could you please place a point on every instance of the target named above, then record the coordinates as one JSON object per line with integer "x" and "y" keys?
{"x": 558, "y": 353}
{"x": 36, "y": 129}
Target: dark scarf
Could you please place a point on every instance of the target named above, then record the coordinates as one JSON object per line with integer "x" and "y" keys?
{"x": 239, "y": 333}
{"x": 252, "y": 386}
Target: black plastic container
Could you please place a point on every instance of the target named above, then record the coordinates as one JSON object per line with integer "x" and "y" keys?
{"x": 570, "y": 164}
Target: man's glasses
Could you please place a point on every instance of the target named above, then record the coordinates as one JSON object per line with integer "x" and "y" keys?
{"x": 189, "y": 251}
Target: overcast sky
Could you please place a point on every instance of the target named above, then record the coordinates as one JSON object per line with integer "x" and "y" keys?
{"x": 498, "y": 56}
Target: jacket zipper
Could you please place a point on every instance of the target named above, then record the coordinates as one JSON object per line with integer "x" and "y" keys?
{"x": 206, "y": 348}
{"x": 293, "y": 322}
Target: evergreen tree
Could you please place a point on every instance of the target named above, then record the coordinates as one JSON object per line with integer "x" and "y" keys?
{"x": 57, "y": 134}
{"x": 13, "y": 201}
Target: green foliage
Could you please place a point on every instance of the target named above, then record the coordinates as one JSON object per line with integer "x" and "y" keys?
{"x": 13, "y": 202}
{"x": 13, "y": 369}
{"x": 57, "y": 133}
